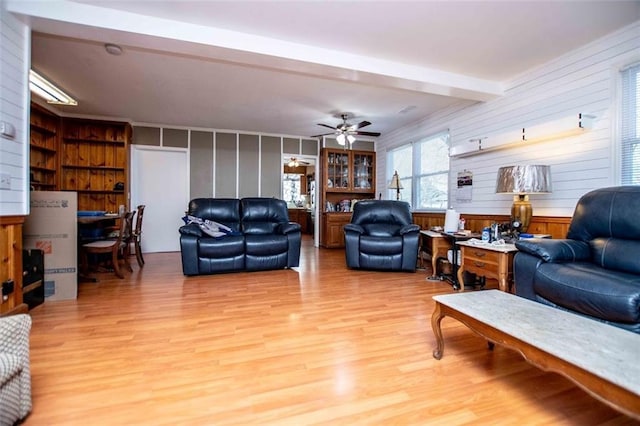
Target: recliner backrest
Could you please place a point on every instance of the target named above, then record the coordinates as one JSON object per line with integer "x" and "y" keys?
{"x": 381, "y": 217}
{"x": 261, "y": 215}
{"x": 607, "y": 219}
{"x": 222, "y": 210}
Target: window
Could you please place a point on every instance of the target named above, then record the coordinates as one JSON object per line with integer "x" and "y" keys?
{"x": 630, "y": 134}
{"x": 423, "y": 168}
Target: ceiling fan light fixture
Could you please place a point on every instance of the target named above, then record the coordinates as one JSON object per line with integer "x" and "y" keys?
{"x": 341, "y": 139}
{"x": 351, "y": 138}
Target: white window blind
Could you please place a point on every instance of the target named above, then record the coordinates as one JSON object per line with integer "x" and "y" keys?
{"x": 630, "y": 133}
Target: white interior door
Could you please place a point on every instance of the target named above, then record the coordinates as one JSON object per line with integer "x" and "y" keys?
{"x": 160, "y": 181}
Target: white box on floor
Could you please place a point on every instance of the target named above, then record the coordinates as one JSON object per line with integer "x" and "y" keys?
{"x": 52, "y": 226}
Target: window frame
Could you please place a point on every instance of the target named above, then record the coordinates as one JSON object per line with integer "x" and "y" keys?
{"x": 416, "y": 148}
{"x": 629, "y": 141}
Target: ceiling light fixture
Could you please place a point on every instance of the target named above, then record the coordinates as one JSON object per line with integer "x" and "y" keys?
{"x": 113, "y": 49}
{"x": 47, "y": 90}
{"x": 344, "y": 137}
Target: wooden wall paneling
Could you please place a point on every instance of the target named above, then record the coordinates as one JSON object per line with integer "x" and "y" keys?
{"x": 271, "y": 167}
{"x": 556, "y": 226}
{"x": 11, "y": 262}
{"x": 249, "y": 162}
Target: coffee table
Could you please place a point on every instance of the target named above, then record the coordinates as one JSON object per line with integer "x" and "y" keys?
{"x": 600, "y": 358}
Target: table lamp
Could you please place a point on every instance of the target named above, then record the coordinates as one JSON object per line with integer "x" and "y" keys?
{"x": 522, "y": 181}
{"x": 396, "y": 184}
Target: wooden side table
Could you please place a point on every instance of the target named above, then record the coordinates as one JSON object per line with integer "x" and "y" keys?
{"x": 436, "y": 245}
{"x": 489, "y": 261}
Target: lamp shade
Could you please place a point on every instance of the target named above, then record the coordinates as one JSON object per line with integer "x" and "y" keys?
{"x": 530, "y": 179}
{"x": 395, "y": 182}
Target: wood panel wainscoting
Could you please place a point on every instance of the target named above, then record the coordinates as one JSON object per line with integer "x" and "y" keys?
{"x": 317, "y": 344}
{"x": 556, "y": 226}
{"x": 11, "y": 263}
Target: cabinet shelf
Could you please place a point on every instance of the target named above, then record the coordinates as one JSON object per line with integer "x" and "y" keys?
{"x": 43, "y": 148}
{"x": 43, "y": 130}
{"x": 77, "y": 167}
{"x": 94, "y": 191}
{"x": 43, "y": 169}
{"x": 92, "y": 141}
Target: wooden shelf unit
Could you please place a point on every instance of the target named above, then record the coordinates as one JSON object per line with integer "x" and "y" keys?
{"x": 94, "y": 159}
{"x": 43, "y": 152}
{"x": 346, "y": 175}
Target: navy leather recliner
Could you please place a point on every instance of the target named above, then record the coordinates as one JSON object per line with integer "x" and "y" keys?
{"x": 262, "y": 237}
{"x": 381, "y": 236}
{"x": 595, "y": 271}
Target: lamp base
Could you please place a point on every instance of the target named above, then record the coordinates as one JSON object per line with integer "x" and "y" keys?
{"x": 521, "y": 211}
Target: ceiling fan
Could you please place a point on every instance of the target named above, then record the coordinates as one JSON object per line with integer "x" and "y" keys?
{"x": 296, "y": 162}
{"x": 345, "y": 131}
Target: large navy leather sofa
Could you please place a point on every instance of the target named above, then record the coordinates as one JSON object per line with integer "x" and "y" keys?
{"x": 381, "y": 236}
{"x": 595, "y": 271}
{"x": 261, "y": 236}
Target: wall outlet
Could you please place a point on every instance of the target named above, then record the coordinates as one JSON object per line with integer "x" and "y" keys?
{"x": 5, "y": 181}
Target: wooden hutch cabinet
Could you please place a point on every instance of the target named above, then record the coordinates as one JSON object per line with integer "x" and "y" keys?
{"x": 94, "y": 162}
{"x": 346, "y": 176}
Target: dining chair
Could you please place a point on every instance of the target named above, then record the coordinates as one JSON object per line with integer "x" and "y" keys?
{"x": 136, "y": 236}
{"x": 117, "y": 247}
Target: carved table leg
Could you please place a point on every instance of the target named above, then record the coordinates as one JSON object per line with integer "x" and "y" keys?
{"x": 436, "y": 318}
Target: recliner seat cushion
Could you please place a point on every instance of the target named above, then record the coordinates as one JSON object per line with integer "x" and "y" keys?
{"x": 223, "y": 247}
{"x": 385, "y": 246}
{"x": 589, "y": 289}
{"x": 265, "y": 245}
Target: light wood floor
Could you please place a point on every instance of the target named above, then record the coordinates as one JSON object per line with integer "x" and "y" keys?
{"x": 316, "y": 345}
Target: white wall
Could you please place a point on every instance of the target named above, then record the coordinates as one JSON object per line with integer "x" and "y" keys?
{"x": 584, "y": 81}
{"x": 14, "y": 109}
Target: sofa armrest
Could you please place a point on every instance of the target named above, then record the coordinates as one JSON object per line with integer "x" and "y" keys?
{"x": 563, "y": 250}
{"x": 191, "y": 229}
{"x": 409, "y": 228}
{"x": 351, "y": 227}
{"x": 289, "y": 227}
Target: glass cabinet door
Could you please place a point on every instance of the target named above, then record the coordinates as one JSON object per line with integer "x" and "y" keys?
{"x": 363, "y": 166}
{"x": 337, "y": 170}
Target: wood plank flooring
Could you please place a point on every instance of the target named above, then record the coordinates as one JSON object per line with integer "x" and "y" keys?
{"x": 319, "y": 344}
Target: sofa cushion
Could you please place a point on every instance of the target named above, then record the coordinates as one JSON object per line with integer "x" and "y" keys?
{"x": 616, "y": 253}
{"x": 589, "y": 289}
{"x": 263, "y": 215}
{"x": 225, "y": 211}
{"x": 265, "y": 245}
{"x": 225, "y": 247}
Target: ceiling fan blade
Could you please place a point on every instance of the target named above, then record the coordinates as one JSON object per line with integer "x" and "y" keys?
{"x": 326, "y": 125}
{"x": 367, "y": 133}
{"x": 362, "y": 124}
{"x": 323, "y": 134}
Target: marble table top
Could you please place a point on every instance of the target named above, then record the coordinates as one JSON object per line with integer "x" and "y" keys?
{"x": 606, "y": 351}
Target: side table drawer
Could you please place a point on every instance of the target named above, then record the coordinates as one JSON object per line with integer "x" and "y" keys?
{"x": 481, "y": 267}
{"x": 486, "y": 256}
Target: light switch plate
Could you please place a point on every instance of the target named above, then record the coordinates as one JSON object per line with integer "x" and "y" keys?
{"x": 5, "y": 181}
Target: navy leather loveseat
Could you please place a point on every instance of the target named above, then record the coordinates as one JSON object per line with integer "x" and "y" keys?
{"x": 261, "y": 236}
{"x": 595, "y": 271}
{"x": 381, "y": 236}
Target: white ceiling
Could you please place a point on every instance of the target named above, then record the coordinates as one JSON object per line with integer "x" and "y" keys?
{"x": 282, "y": 67}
